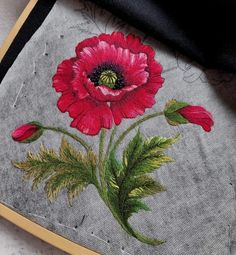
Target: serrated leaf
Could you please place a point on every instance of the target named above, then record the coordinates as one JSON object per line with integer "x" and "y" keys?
{"x": 113, "y": 169}
{"x": 69, "y": 169}
{"x": 133, "y": 150}
{"x": 74, "y": 190}
{"x": 149, "y": 163}
{"x": 131, "y": 206}
{"x": 128, "y": 182}
{"x": 159, "y": 143}
{"x": 63, "y": 180}
{"x": 142, "y": 157}
{"x": 145, "y": 186}
{"x": 68, "y": 153}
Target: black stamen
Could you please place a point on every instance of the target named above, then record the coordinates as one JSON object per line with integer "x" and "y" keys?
{"x": 96, "y": 74}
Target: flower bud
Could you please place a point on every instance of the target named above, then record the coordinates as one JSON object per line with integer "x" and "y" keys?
{"x": 27, "y": 133}
{"x": 182, "y": 113}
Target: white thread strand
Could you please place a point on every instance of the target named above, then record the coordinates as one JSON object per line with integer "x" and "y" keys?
{"x": 19, "y": 91}
{"x": 57, "y": 223}
{"x": 99, "y": 238}
{"x": 123, "y": 252}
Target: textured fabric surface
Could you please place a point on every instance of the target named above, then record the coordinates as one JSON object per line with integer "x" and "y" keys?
{"x": 196, "y": 215}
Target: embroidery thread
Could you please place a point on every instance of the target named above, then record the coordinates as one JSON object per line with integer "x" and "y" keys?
{"x": 113, "y": 77}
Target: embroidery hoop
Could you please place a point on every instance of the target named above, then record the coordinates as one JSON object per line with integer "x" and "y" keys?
{"x": 7, "y": 213}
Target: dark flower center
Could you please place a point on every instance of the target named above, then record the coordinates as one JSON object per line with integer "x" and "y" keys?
{"x": 109, "y": 75}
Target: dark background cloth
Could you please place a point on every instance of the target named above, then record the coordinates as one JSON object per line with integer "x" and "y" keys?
{"x": 202, "y": 30}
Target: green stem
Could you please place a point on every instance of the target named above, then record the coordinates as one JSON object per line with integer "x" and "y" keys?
{"x": 100, "y": 155}
{"x": 134, "y": 125}
{"x": 110, "y": 143}
{"x": 124, "y": 224}
{"x": 141, "y": 237}
{"x": 73, "y": 136}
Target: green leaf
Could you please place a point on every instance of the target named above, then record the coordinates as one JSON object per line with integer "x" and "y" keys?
{"x": 113, "y": 168}
{"x": 175, "y": 119}
{"x": 171, "y": 113}
{"x": 142, "y": 157}
{"x": 133, "y": 206}
{"x": 174, "y": 105}
{"x": 70, "y": 169}
{"x": 128, "y": 182}
{"x": 145, "y": 186}
{"x": 75, "y": 189}
{"x": 159, "y": 143}
{"x": 133, "y": 150}
{"x": 69, "y": 180}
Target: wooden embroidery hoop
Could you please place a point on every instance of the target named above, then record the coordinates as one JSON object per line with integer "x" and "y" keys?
{"x": 16, "y": 218}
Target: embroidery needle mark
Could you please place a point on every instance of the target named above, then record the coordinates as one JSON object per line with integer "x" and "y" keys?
{"x": 82, "y": 221}
{"x": 45, "y": 49}
{"x": 34, "y": 67}
{"x": 19, "y": 91}
{"x": 99, "y": 238}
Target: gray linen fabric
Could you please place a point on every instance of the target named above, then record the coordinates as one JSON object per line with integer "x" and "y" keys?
{"x": 196, "y": 215}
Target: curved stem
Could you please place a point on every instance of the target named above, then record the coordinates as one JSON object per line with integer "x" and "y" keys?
{"x": 124, "y": 224}
{"x": 73, "y": 136}
{"x": 143, "y": 238}
{"x": 100, "y": 155}
{"x": 134, "y": 125}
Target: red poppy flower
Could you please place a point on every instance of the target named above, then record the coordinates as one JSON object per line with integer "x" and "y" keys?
{"x": 112, "y": 77}
{"x": 27, "y": 133}
{"x": 197, "y": 115}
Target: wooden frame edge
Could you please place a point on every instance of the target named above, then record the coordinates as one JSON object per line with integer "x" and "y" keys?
{"x": 17, "y": 219}
{"x": 11, "y": 36}
{"x": 44, "y": 234}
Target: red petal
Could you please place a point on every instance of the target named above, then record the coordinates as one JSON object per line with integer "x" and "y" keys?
{"x": 116, "y": 38}
{"x": 131, "y": 42}
{"x": 65, "y": 101}
{"x": 89, "y": 42}
{"x": 92, "y": 116}
{"x": 104, "y": 93}
{"x": 132, "y": 105}
{"x": 78, "y": 86}
{"x": 64, "y": 75}
{"x": 198, "y": 115}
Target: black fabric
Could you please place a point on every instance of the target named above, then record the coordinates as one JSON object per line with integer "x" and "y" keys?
{"x": 202, "y": 30}
{"x": 32, "y": 23}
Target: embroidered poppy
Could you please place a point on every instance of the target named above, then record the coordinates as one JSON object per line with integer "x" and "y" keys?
{"x": 27, "y": 133}
{"x": 112, "y": 77}
{"x": 182, "y": 113}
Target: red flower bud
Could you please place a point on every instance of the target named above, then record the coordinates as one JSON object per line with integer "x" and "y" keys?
{"x": 27, "y": 133}
{"x": 197, "y": 115}
{"x": 182, "y": 113}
